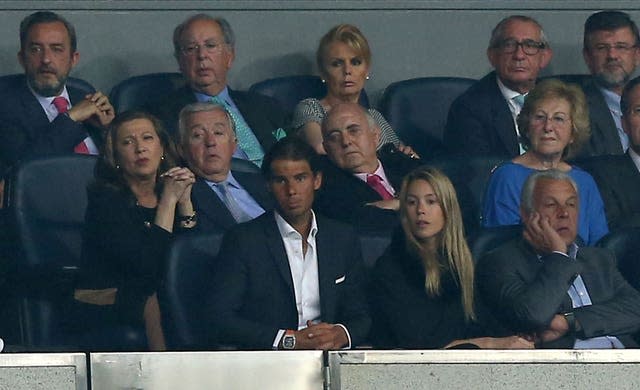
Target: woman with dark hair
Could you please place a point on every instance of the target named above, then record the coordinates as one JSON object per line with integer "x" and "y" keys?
{"x": 423, "y": 285}
{"x": 554, "y": 125}
{"x": 137, "y": 199}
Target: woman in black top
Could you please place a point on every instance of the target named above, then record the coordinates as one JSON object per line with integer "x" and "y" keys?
{"x": 139, "y": 195}
{"x": 423, "y": 292}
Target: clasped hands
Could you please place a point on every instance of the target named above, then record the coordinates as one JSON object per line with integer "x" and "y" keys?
{"x": 177, "y": 183}
{"x": 321, "y": 336}
{"x": 94, "y": 108}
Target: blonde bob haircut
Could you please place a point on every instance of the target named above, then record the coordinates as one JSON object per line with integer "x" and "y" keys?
{"x": 579, "y": 112}
{"x": 452, "y": 250}
{"x": 348, "y": 34}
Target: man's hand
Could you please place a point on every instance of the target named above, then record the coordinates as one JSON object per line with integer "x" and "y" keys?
{"x": 95, "y": 108}
{"x": 321, "y": 336}
{"x": 539, "y": 233}
{"x": 557, "y": 328}
{"x": 389, "y": 204}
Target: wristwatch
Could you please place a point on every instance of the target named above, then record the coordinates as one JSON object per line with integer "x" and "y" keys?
{"x": 289, "y": 341}
{"x": 571, "y": 321}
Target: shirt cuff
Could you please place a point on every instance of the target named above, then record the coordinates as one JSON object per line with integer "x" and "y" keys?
{"x": 561, "y": 253}
{"x": 276, "y": 341}
{"x": 348, "y": 346}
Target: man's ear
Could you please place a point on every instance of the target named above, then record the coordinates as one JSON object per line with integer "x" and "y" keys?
{"x": 317, "y": 180}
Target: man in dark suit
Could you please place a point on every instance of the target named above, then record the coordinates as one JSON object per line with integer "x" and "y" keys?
{"x": 611, "y": 52}
{"x": 221, "y": 197}
{"x": 204, "y": 48}
{"x": 359, "y": 184}
{"x": 290, "y": 279}
{"x": 545, "y": 286}
{"x": 39, "y": 114}
{"x": 618, "y": 176}
{"x": 481, "y": 121}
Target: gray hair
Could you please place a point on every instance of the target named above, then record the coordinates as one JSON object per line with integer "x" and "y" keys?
{"x": 497, "y": 34}
{"x": 227, "y": 32}
{"x": 200, "y": 107}
{"x": 526, "y": 196}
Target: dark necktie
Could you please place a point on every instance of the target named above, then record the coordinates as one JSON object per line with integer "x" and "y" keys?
{"x": 374, "y": 181}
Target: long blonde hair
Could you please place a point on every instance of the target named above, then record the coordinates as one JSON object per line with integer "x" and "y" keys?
{"x": 452, "y": 250}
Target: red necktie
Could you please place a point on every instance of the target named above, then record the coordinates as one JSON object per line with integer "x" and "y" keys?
{"x": 62, "y": 106}
{"x": 374, "y": 181}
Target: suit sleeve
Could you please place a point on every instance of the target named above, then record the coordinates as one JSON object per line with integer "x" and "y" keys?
{"x": 58, "y": 137}
{"x": 353, "y": 307}
{"x": 617, "y": 315}
{"x": 230, "y": 282}
{"x": 465, "y": 133}
{"x": 524, "y": 303}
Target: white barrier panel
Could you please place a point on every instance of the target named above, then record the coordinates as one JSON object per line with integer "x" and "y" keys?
{"x": 43, "y": 371}
{"x": 481, "y": 369}
{"x": 277, "y": 370}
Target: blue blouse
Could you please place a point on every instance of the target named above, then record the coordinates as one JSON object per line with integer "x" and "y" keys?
{"x": 502, "y": 200}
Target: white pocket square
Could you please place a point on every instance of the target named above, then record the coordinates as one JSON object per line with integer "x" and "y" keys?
{"x": 340, "y": 279}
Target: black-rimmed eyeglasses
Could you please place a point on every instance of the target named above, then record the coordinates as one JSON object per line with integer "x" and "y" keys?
{"x": 529, "y": 46}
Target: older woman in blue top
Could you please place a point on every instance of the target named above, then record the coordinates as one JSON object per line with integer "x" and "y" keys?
{"x": 554, "y": 124}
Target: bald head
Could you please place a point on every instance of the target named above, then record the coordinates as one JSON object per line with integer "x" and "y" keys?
{"x": 350, "y": 137}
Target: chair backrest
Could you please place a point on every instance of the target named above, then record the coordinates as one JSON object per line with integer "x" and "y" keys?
{"x": 568, "y": 78}
{"x": 417, "y": 109}
{"x": 470, "y": 177}
{"x": 241, "y": 165}
{"x": 373, "y": 246}
{"x": 139, "y": 91}
{"x": 71, "y": 81}
{"x": 48, "y": 198}
{"x": 625, "y": 244}
{"x": 487, "y": 239}
{"x": 289, "y": 90}
{"x": 188, "y": 278}
{"x": 46, "y": 208}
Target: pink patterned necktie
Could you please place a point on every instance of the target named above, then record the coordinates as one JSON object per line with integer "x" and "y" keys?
{"x": 374, "y": 181}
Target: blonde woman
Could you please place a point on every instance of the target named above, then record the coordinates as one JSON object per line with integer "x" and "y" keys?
{"x": 423, "y": 285}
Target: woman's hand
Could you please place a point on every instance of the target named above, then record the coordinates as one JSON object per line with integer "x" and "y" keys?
{"x": 406, "y": 149}
{"x": 177, "y": 183}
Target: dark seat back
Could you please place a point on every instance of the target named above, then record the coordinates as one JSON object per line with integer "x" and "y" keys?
{"x": 417, "y": 110}
{"x": 188, "y": 278}
{"x": 289, "y": 90}
{"x": 46, "y": 207}
{"x": 139, "y": 91}
{"x": 625, "y": 244}
{"x": 487, "y": 239}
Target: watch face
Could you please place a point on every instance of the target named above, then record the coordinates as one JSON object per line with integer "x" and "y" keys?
{"x": 289, "y": 342}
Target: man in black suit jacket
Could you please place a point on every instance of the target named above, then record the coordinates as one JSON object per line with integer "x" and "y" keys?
{"x": 611, "y": 52}
{"x": 204, "y": 48}
{"x": 350, "y": 137}
{"x": 207, "y": 142}
{"x": 544, "y": 285}
{"x": 31, "y": 125}
{"x": 618, "y": 176}
{"x": 481, "y": 121}
{"x": 290, "y": 279}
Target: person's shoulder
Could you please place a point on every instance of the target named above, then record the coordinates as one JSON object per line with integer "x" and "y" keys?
{"x": 252, "y": 97}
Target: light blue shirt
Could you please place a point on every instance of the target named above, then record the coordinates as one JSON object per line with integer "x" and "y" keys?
{"x": 579, "y": 298}
{"x": 224, "y": 95}
{"x": 613, "y": 102}
{"x": 244, "y": 200}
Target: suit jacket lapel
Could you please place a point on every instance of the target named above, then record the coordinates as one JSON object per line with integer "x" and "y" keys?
{"x": 33, "y": 109}
{"x": 326, "y": 272}
{"x": 503, "y": 120}
{"x": 276, "y": 247}
{"x": 209, "y": 204}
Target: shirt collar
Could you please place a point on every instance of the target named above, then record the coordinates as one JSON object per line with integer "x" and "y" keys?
{"x": 47, "y": 101}
{"x": 379, "y": 171}
{"x": 286, "y": 230}
{"x": 508, "y": 94}
{"x": 231, "y": 181}
{"x": 224, "y": 95}
{"x": 612, "y": 99}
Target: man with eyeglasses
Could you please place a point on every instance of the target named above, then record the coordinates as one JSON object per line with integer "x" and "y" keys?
{"x": 204, "y": 48}
{"x": 482, "y": 121}
{"x": 612, "y": 55}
